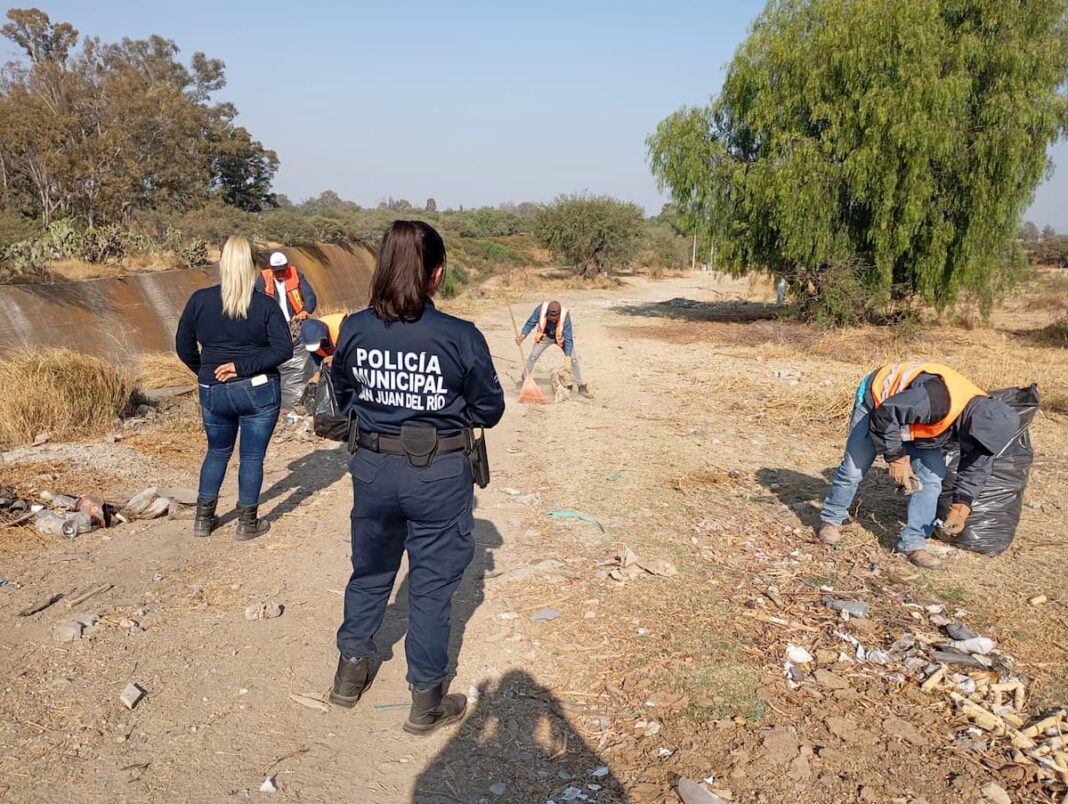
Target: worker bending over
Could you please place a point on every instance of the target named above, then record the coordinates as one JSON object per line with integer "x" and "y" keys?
{"x": 910, "y": 413}
{"x": 551, "y": 324}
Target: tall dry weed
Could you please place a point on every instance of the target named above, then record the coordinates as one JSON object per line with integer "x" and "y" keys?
{"x": 60, "y": 392}
{"x": 162, "y": 370}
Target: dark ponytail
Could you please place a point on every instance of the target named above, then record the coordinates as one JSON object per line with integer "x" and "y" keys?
{"x": 404, "y": 276}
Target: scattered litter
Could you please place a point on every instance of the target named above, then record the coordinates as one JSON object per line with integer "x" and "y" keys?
{"x": 498, "y": 789}
{"x": 600, "y": 772}
{"x": 1038, "y": 600}
{"x": 132, "y": 695}
{"x": 147, "y": 504}
{"x": 615, "y": 475}
{"x": 544, "y": 614}
{"x": 264, "y": 611}
{"x": 575, "y": 794}
{"x": 511, "y": 492}
{"x": 577, "y": 515}
{"x": 798, "y": 655}
{"x": 692, "y": 793}
{"x": 664, "y": 753}
{"x": 309, "y": 700}
{"x": 629, "y": 566}
{"x": 854, "y": 608}
{"x": 977, "y": 645}
{"x": 268, "y": 785}
{"x": 67, "y": 632}
{"x": 87, "y": 620}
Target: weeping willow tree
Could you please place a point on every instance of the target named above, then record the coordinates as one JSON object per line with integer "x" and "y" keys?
{"x": 875, "y": 150}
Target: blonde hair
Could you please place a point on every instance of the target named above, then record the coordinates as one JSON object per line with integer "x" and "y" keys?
{"x": 237, "y": 277}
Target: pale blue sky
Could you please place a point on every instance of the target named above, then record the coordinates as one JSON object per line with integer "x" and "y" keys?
{"x": 470, "y": 103}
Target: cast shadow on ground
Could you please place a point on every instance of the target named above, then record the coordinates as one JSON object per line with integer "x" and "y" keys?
{"x": 308, "y": 474}
{"x": 733, "y": 310}
{"x": 516, "y": 735}
{"x": 469, "y": 596}
{"x": 877, "y": 506}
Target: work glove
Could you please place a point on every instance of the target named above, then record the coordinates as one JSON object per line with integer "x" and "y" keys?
{"x": 567, "y": 362}
{"x": 901, "y": 473}
{"x": 955, "y": 519}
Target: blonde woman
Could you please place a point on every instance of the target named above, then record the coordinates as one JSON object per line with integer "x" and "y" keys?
{"x": 234, "y": 338}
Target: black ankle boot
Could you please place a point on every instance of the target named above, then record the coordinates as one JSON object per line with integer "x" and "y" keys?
{"x": 432, "y": 709}
{"x": 204, "y": 522}
{"x": 248, "y": 525}
{"x": 585, "y": 391}
{"x": 350, "y": 681}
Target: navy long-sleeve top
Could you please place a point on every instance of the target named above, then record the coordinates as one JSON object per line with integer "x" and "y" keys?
{"x": 926, "y": 400}
{"x": 207, "y": 339}
{"x": 435, "y": 371}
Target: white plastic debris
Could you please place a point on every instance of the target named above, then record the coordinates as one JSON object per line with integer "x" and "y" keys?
{"x": 132, "y": 695}
{"x": 268, "y": 785}
{"x": 798, "y": 655}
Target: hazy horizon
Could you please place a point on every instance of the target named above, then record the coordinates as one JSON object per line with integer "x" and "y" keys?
{"x": 472, "y": 104}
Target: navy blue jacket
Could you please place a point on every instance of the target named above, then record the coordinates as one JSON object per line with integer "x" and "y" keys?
{"x": 255, "y": 345}
{"x": 436, "y": 371}
{"x": 926, "y": 400}
{"x": 307, "y": 292}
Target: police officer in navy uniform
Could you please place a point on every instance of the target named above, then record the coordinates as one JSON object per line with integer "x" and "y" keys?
{"x": 417, "y": 379}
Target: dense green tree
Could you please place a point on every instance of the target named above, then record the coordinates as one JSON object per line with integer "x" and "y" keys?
{"x": 592, "y": 233}
{"x": 887, "y": 146}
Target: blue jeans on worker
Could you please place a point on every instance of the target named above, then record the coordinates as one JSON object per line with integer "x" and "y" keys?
{"x": 426, "y": 512}
{"x": 928, "y": 464}
{"x": 226, "y": 409}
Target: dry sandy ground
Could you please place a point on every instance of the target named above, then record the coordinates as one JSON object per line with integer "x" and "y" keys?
{"x": 685, "y": 455}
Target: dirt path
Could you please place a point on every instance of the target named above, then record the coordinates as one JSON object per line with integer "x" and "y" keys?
{"x": 682, "y": 456}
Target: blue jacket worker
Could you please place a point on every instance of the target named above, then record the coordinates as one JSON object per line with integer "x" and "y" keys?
{"x": 418, "y": 380}
{"x": 910, "y": 412}
{"x": 551, "y": 324}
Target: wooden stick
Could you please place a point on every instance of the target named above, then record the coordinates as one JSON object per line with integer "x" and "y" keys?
{"x": 41, "y": 606}
{"x": 84, "y": 596}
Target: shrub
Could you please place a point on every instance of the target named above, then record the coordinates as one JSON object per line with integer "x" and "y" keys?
{"x": 60, "y": 392}
{"x": 456, "y": 279}
{"x": 15, "y": 228}
{"x": 592, "y": 233}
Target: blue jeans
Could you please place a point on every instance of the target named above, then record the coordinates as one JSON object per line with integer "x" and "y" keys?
{"x": 928, "y": 464}
{"x": 227, "y": 408}
{"x": 426, "y": 512}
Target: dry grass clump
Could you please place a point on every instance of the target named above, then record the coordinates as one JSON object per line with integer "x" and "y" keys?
{"x": 60, "y": 392}
{"x": 72, "y": 270}
{"x": 162, "y": 370}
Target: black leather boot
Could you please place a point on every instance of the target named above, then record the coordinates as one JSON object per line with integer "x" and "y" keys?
{"x": 585, "y": 391}
{"x": 350, "y": 681}
{"x": 248, "y": 525}
{"x": 204, "y": 522}
{"x": 432, "y": 709}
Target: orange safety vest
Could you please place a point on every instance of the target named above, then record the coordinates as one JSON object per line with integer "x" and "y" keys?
{"x": 333, "y": 325}
{"x": 896, "y": 377}
{"x": 296, "y": 301}
{"x": 539, "y": 331}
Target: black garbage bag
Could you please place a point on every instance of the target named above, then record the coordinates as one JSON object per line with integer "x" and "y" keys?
{"x": 327, "y": 419}
{"x": 991, "y": 526}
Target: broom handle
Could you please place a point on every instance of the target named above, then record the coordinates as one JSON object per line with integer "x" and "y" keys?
{"x": 515, "y": 326}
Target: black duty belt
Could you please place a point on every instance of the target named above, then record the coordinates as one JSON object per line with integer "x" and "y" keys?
{"x": 391, "y": 445}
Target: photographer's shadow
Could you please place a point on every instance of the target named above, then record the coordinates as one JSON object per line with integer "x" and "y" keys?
{"x": 516, "y": 746}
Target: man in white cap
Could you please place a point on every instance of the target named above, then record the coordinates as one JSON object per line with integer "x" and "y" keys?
{"x": 295, "y": 295}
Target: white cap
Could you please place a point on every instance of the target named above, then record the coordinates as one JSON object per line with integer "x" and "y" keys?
{"x": 279, "y": 260}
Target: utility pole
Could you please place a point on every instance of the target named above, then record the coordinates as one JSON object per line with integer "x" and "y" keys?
{"x": 693, "y": 257}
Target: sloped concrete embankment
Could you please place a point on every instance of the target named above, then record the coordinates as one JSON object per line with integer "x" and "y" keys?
{"x": 119, "y": 319}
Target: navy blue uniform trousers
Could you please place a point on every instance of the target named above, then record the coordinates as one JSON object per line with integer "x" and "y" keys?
{"x": 428, "y": 513}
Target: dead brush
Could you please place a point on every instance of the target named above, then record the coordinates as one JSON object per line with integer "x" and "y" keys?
{"x": 162, "y": 370}
{"x": 60, "y": 392}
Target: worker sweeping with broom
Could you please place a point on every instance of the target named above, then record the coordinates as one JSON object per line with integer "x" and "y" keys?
{"x": 551, "y": 324}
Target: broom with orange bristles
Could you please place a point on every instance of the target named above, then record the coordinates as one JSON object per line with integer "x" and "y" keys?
{"x": 530, "y": 393}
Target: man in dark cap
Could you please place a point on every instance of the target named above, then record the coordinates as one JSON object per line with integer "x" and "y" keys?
{"x": 551, "y": 323}
{"x": 909, "y": 413}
